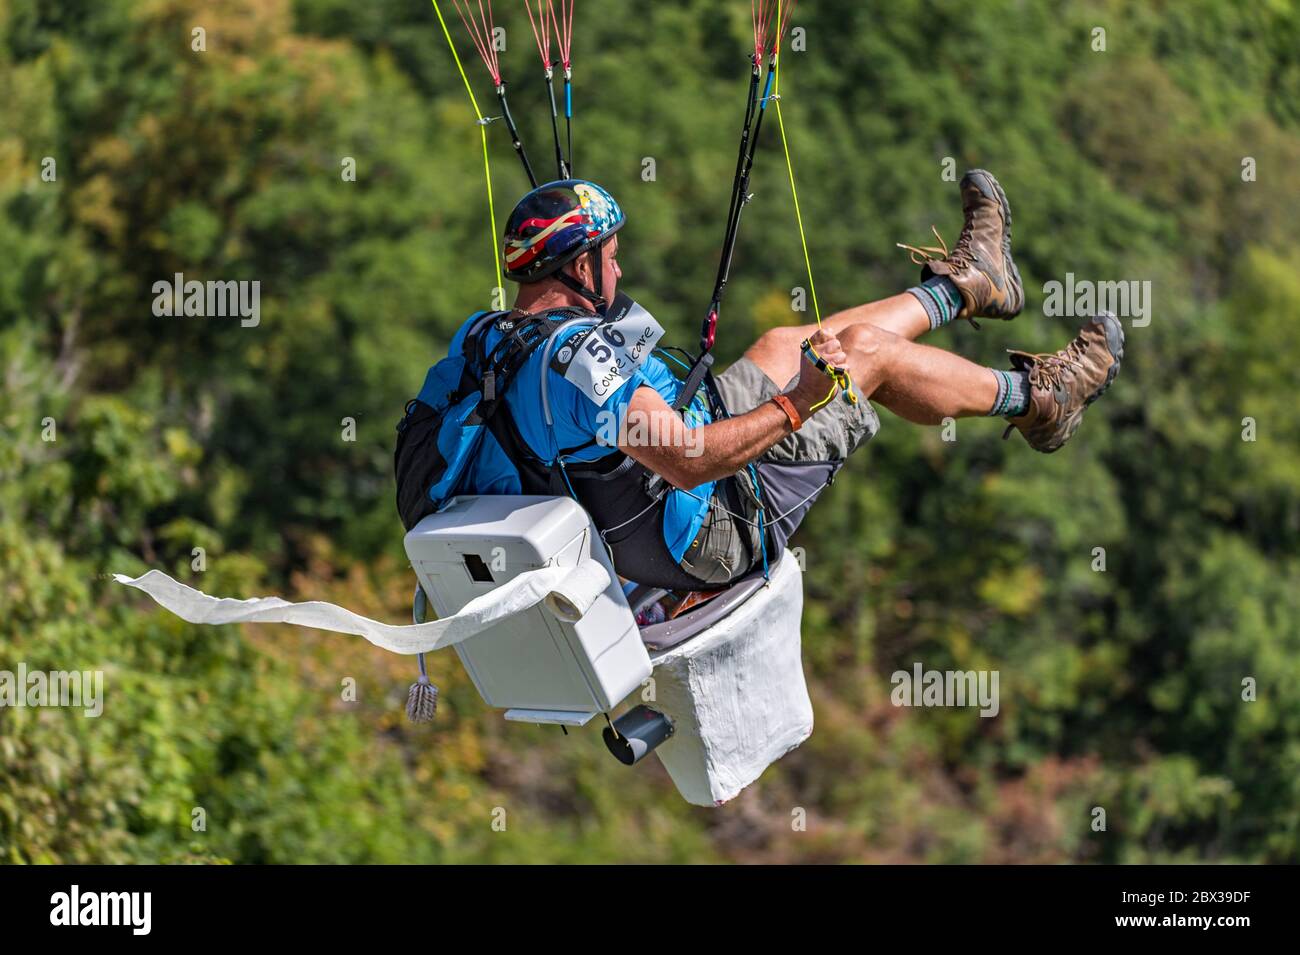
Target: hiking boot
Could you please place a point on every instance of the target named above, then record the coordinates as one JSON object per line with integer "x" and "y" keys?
{"x": 980, "y": 264}
{"x": 1063, "y": 384}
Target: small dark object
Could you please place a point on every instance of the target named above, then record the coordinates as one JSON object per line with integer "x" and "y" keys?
{"x": 636, "y": 733}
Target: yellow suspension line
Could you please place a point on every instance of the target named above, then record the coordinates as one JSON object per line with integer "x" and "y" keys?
{"x": 487, "y": 168}
{"x": 785, "y": 143}
{"x": 840, "y": 376}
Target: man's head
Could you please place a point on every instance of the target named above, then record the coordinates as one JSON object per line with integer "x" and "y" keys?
{"x": 563, "y": 232}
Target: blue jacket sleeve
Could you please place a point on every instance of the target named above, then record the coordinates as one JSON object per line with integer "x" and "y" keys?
{"x": 578, "y": 419}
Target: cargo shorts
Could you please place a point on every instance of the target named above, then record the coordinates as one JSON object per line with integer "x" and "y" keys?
{"x": 728, "y": 544}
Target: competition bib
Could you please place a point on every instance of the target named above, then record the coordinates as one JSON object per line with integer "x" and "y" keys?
{"x": 599, "y": 360}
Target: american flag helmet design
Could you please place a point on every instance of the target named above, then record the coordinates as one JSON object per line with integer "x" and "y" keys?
{"x": 556, "y": 223}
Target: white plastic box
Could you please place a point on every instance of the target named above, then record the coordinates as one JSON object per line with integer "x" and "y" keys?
{"x": 540, "y": 669}
{"x": 734, "y": 692}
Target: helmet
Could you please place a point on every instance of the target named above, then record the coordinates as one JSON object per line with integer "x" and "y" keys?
{"x": 556, "y": 223}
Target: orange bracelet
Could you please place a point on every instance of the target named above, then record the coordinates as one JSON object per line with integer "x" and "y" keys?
{"x": 786, "y": 405}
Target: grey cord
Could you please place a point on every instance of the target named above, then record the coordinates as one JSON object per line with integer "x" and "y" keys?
{"x": 637, "y": 515}
{"x": 546, "y": 361}
{"x": 744, "y": 520}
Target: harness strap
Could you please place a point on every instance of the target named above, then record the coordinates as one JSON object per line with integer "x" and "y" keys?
{"x": 511, "y": 353}
{"x": 694, "y": 378}
{"x": 491, "y": 374}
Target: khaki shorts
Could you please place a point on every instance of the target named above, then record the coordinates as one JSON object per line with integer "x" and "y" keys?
{"x": 728, "y": 544}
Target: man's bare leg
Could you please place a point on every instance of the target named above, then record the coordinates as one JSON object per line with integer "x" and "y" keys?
{"x": 979, "y": 272}
{"x": 925, "y": 385}
{"x": 1044, "y": 396}
{"x": 900, "y": 314}
{"x": 777, "y": 351}
{"x": 919, "y": 383}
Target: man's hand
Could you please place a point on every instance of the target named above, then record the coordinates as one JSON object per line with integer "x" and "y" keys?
{"x": 688, "y": 457}
{"x": 813, "y": 385}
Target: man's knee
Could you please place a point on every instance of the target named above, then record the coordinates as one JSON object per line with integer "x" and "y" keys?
{"x": 867, "y": 343}
{"x": 870, "y": 350}
{"x": 867, "y": 346}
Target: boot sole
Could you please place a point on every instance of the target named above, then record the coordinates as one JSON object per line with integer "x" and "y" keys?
{"x": 1115, "y": 341}
{"x": 988, "y": 184}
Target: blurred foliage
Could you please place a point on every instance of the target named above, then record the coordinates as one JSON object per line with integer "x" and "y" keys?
{"x": 1120, "y": 689}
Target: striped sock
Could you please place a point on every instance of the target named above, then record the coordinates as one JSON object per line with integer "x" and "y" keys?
{"x": 940, "y": 299}
{"x": 1013, "y": 393}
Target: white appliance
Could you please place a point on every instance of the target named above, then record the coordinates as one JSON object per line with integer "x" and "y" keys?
{"x": 728, "y": 696}
{"x": 537, "y": 667}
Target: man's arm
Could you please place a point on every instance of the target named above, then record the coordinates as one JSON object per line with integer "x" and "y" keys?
{"x": 722, "y": 448}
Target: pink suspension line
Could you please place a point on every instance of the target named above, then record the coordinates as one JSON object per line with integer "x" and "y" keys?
{"x": 543, "y": 23}
{"x": 481, "y": 30}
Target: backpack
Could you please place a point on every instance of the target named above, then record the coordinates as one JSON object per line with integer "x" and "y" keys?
{"x": 445, "y": 446}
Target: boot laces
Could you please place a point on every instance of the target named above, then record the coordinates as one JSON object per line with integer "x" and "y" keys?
{"x": 1050, "y": 369}
{"x": 960, "y": 257}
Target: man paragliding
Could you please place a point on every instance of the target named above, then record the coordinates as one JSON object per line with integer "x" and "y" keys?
{"x": 686, "y": 483}
{"x": 694, "y": 482}
{"x": 574, "y": 401}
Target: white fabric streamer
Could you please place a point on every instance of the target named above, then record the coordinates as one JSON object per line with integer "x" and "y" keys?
{"x": 572, "y": 587}
{"x": 571, "y": 598}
